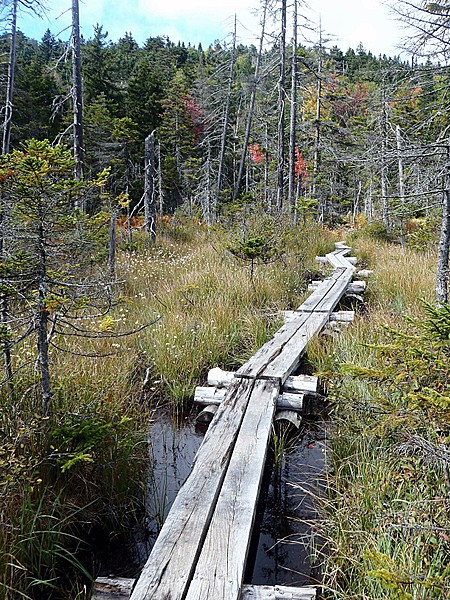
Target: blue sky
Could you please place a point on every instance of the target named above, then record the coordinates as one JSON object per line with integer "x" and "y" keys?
{"x": 348, "y": 22}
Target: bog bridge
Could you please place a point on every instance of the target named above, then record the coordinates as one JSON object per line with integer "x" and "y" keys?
{"x": 201, "y": 551}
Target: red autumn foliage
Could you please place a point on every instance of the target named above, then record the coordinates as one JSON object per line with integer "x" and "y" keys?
{"x": 195, "y": 113}
{"x": 255, "y": 152}
{"x": 300, "y": 165}
{"x": 6, "y": 175}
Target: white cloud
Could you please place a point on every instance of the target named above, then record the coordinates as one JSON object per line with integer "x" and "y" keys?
{"x": 350, "y": 21}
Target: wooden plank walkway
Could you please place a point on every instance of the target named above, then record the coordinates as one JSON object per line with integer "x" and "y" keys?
{"x": 202, "y": 549}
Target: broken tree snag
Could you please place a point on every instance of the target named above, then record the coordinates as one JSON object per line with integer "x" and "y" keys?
{"x": 107, "y": 588}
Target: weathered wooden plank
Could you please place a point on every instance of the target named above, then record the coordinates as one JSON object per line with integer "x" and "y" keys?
{"x": 342, "y": 246}
{"x": 172, "y": 561}
{"x": 107, "y": 588}
{"x": 332, "y": 297}
{"x": 355, "y": 287}
{"x": 280, "y": 349}
{"x": 207, "y": 396}
{"x": 277, "y": 592}
{"x": 338, "y": 260}
{"x": 329, "y": 287}
{"x": 220, "y": 378}
{"x": 301, "y": 383}
{"x": 365, "y": 273}
{"x": 257, "y": 364}
{"x": 220, "y": 568}
{"x": 284, "y": 364}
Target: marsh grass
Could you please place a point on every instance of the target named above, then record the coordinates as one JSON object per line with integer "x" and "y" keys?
{"x": 386, "y": 514}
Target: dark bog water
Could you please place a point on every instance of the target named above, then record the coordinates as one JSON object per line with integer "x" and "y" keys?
{"x": 282, "y": 546}
{"x": 280, "y": 551}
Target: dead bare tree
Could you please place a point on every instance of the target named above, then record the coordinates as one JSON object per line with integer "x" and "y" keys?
{"x": 251, "y": 107}
{"x": 77, "y": 94}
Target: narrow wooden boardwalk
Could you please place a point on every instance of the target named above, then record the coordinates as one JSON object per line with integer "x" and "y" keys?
{"x": 202, "y": 549}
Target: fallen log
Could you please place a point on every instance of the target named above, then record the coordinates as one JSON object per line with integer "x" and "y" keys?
{"x": 107, "y": 588}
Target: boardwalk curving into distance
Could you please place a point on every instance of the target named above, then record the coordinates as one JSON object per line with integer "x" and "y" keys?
{"x": 201, "y": 551}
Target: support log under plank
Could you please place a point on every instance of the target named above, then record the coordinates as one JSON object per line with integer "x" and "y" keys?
{"x": 296, "y": 383}
{"x": 207, "y": 396}
{"x": 277, "y": 592}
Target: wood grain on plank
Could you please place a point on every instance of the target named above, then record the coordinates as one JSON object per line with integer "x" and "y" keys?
{"x": 170, "y": 566}
{"x": 220, "y": 568}
{"x": 284, "y": 364}
{"x": 273, "y": 348}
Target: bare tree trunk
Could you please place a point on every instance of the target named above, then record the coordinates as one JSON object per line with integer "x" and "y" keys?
{"x": 223, "y": 143}
{"x": 209, "y": 209}
{"x": 4, "y": 319}
{"x": 384, "y": 178}
{"x": 42, "y": 327}
{"x": 4, "y": 304}
{"x": 78, "y": 144}
{"x": 368, "y": 203}
{"x": 160, "y": 184}
{"x": 281, "y": 109}
{"x": 292, "y": 124}
{"x": 401, "y": 181}
{"x": 112, "y": 243}
{"x": 252, "y": 105}
{"x": 444, "y": 240}
{"x": 149, "y": 192}
{"x": 316, "y": 160}
{"x": 10, "y": 83}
